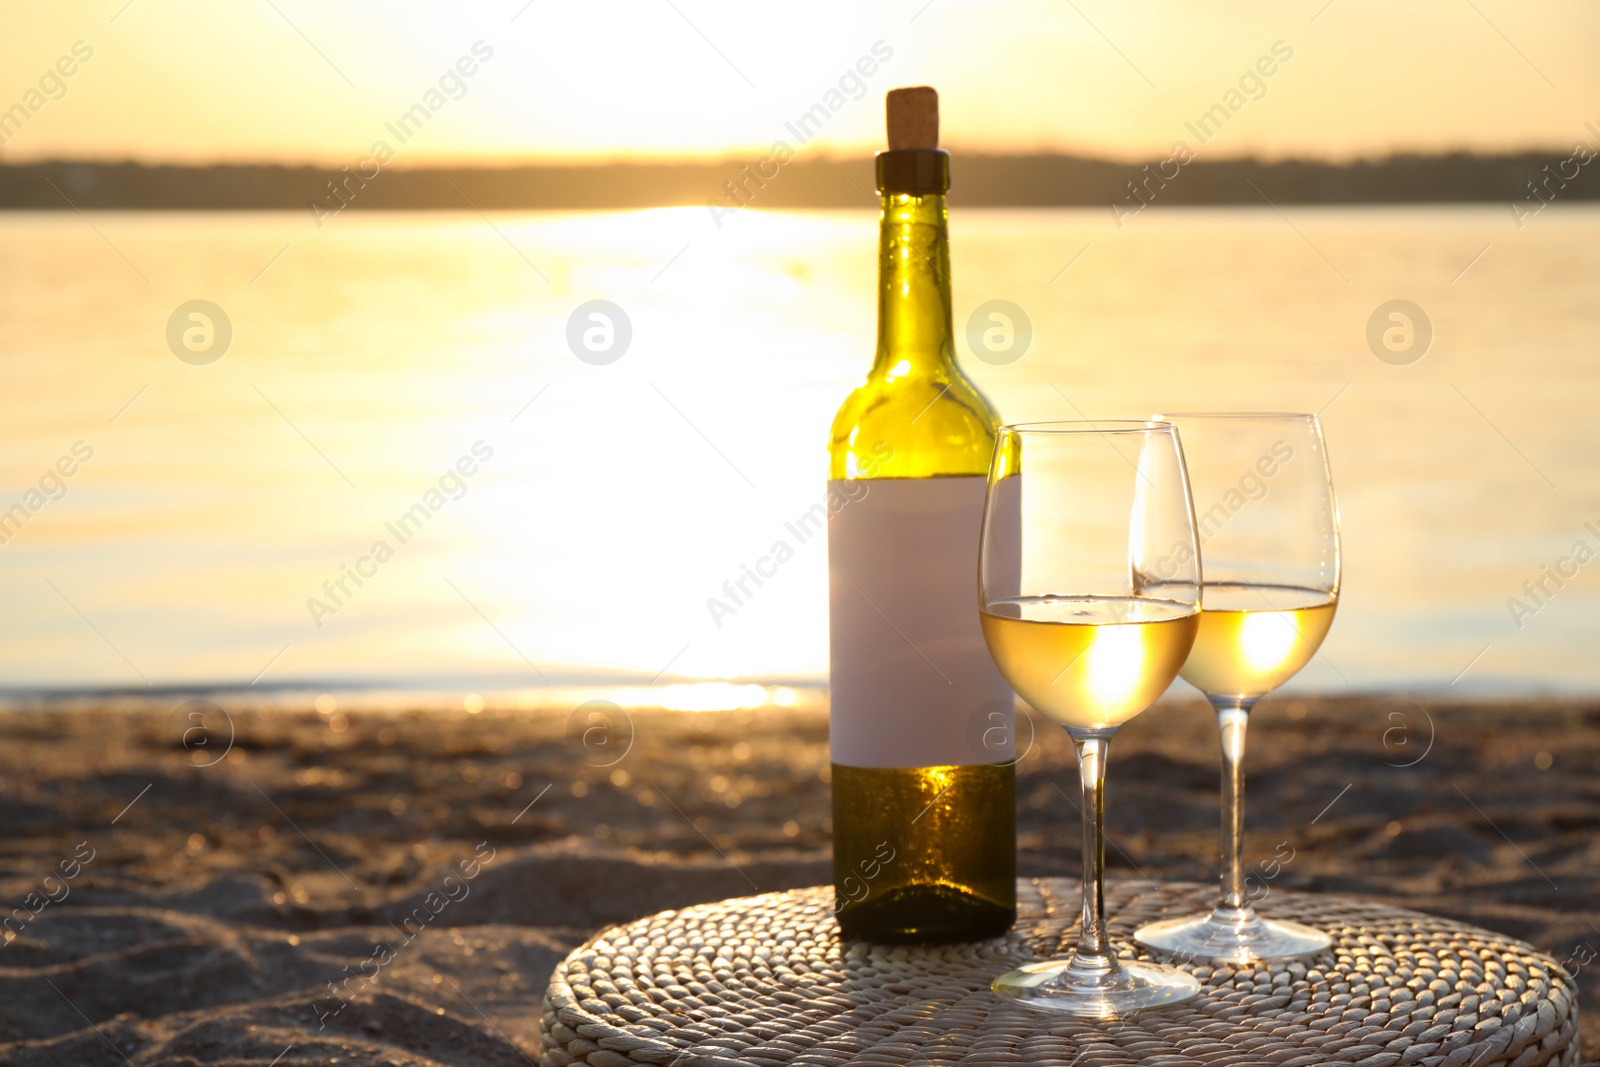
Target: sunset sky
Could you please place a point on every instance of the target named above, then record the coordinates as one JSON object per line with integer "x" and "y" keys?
{"x": 292, "y": 80}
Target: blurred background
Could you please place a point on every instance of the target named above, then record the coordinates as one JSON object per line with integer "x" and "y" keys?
{"x": 293, "y": 300}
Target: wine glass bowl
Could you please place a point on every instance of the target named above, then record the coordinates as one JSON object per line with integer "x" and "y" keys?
{"x": 1269, "y": 533}
{"x": 1089, "y": 615}
{"x": 1089, "y": 663}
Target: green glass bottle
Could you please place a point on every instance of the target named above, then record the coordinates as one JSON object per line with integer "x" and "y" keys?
{"x": 924, "y": 809}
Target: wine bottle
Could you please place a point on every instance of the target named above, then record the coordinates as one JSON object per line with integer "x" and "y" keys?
{"x": 920, "y": 723}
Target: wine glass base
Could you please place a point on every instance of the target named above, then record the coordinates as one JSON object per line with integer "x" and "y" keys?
{"x": 1054, "y": 985}
{"x": 1233, "y": 936}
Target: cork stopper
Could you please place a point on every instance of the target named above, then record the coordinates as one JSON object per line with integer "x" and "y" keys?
{"x": 913, "y": 117}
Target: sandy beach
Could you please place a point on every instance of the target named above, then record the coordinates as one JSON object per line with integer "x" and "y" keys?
{"x": 394, "y": 887}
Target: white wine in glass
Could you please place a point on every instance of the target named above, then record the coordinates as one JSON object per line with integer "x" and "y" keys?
{"x": 1088, "y": 662}
{"x": 1089, "y": 630}
{"x": 1269, "y": 534}
{"x": 1255, "y": 637}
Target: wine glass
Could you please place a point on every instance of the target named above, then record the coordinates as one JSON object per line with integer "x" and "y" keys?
{"x": 1269, "y": 534}
{"x": 1077, "y": 519}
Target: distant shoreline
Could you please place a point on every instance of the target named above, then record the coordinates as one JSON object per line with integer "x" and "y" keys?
{"x": 1521, "y": 181}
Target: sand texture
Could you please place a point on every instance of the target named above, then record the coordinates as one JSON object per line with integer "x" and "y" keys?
{"x": 395, "y": 887}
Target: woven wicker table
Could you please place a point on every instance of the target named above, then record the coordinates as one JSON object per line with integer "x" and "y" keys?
{"x": 765, "y": 980}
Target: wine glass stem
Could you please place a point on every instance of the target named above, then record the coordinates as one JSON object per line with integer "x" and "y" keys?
{"x": 1233, "y": 716}
{"x": 1092, "y": 951}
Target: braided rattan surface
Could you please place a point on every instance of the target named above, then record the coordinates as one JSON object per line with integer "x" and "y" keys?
{"x": 765, "y": 980}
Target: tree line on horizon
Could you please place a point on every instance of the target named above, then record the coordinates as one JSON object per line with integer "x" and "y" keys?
{"x": 1528, "y": 179}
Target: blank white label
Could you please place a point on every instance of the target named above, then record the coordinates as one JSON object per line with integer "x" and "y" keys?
{"x": 911, "y": 682}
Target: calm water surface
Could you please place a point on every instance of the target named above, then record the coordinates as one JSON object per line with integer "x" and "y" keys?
{"x": 607, "y": 503}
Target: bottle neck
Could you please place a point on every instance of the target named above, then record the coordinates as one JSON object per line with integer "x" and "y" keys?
{"x": 915, "y": 338}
